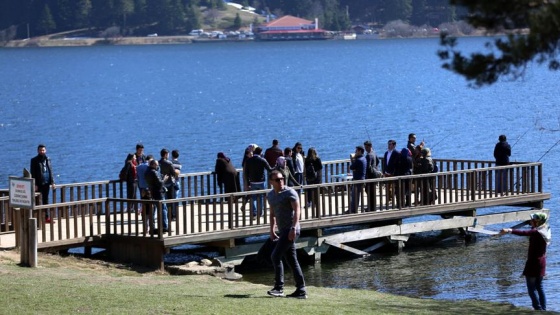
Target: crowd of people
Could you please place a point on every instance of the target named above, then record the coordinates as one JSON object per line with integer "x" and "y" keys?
{"x": 299, "y": 168}
{"x": 154, "y": 180}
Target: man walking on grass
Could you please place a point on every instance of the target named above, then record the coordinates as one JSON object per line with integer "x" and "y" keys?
{"x": 284, "y": 214}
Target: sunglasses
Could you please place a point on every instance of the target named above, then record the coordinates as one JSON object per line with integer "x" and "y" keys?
{"x": 279, "y": 179}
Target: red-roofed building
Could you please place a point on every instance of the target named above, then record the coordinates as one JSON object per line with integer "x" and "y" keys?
{"x": 292, "y": 28}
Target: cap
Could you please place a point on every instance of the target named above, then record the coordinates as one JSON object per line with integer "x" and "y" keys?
{"x": 367, "y": 142}
{"x": 539, "y": 217}
{"x": 360, "y": 147}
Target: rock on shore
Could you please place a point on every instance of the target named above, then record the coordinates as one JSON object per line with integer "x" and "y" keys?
{"x": 206, "y": 267}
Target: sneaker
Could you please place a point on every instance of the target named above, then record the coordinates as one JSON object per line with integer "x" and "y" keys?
{"x": 276, "y": 292}
{"x": 49, "y": 220}
{"x": 298, "y": 294}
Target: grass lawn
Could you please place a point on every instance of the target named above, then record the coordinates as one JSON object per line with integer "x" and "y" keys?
{"x": 72, "y": 285}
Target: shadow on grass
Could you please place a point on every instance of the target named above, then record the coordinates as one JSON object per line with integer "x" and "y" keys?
{"x": 238, "y": 296}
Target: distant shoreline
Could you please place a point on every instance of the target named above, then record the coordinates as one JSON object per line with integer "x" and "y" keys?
{"x": 47, "y": 41}
{"x": 81, "y": 42}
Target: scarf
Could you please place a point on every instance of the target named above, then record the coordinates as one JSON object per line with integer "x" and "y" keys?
{"x": 545, "y": 232}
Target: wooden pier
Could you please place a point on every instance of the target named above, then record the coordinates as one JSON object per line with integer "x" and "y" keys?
{"x": 93, "y": 214}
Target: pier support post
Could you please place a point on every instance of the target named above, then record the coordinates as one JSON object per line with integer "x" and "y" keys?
{"x": 317, "y": 257}
{"x": 400, "y": 246}
{"x": 399, "y": 240}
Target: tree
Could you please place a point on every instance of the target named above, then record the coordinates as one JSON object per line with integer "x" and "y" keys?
{"x": 237, "y": 22}
{"x": 123, "y": 9}
{"x": 46, "y": 22}
{"x": 83, "y": 11}
{"x": 397, "y": 10}
{"x": 194, "y": 18}
{"x": 533, "y": 35}
{"x": 102, "y": 13}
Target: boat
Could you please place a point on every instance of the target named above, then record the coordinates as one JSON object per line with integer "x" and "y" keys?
{"x": 349, "y": 36}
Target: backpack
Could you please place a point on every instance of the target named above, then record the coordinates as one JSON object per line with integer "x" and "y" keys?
{"x": 310, "y": 173}
{"x": 123, "y": 173}
{"x": 372, "y": 170}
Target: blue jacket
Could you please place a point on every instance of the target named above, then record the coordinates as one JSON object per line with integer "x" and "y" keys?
{"x": 141, "y": 173}
{"x": 358, "y": 168}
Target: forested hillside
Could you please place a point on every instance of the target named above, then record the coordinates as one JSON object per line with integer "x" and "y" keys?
{"x": 22, "y": 18}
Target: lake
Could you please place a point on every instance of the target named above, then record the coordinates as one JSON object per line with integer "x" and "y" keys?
{"x": 91, "y": 105}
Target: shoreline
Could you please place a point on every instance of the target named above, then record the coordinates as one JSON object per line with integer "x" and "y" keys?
{"x": 45, "y": 41}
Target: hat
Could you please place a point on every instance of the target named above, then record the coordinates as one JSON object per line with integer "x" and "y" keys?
{"x": 367, "y": 142}
{"x": 540, "y": 217}
{"x": 361, "y": 148}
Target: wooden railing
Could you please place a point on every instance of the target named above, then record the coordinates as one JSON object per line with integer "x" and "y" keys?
{"x": 92, "y": 209}
{"x": 205, "y": 183}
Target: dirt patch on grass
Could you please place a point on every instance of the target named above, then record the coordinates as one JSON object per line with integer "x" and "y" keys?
{"x": 47, "y": 261}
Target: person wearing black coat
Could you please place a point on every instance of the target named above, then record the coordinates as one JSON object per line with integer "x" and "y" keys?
{"x": 389, "y": 165}
{"x": 226, "y": 174}
{"x": 502, "y": 152}
{"x": 404, "y": 167}
{"x": 157, "y": 190}
{"x": 41, "y": 171}
{"x": 313, "y": 175}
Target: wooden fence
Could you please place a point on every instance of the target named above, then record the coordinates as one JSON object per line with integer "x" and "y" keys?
{"x": 84, "y": 211}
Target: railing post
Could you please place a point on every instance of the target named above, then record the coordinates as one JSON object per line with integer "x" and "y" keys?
{"x": 540, "y": 184}
{"x": 474, "y": 180}
{"x": 232, "y": 210}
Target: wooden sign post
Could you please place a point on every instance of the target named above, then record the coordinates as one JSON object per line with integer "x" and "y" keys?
{"x": 22, "y": 193}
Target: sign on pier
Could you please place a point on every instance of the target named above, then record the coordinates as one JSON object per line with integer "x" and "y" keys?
{"x": 22, "y": 192}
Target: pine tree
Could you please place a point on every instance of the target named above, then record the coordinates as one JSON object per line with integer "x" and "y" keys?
{"x": 237, "y": 22}
{"x": 46, "y": 22}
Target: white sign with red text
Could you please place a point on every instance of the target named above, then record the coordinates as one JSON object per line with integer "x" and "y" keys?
{"x": 21, "y": 192}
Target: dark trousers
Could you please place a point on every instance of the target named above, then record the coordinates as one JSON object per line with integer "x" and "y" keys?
{"x": 372, "y": 202}
{"x": 44, "y": 190}
{"x": 356, "y": 197}
{"x": 536, "y": 293}
{"x": 287, "y": 249}
{"x": 131, "y": 194}
{"x": 501, "y": 181}
{"x": 147, "y": 209}
{"x": 403, "y": 193}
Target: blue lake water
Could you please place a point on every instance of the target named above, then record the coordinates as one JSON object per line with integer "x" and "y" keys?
{"x": 91, "y": 105}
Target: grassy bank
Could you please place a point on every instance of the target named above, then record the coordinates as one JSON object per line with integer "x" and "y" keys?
{"x": 72, "y": 285}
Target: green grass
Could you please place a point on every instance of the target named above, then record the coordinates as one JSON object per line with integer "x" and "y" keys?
{"x": 73, "y": 285}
